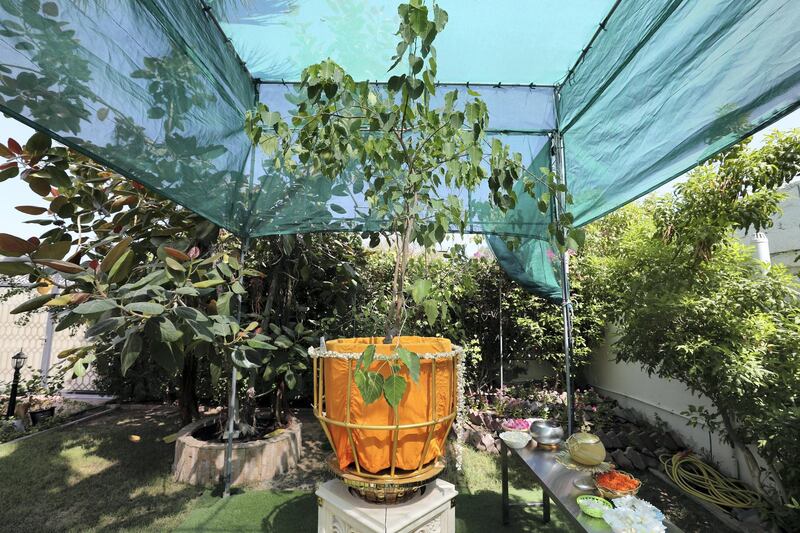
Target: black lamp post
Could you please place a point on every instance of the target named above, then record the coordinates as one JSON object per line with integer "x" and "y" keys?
{"x": 19, "y": 361}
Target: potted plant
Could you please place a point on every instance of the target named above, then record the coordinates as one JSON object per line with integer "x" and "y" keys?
{"x": 387, "y": 402}
{"x": 43, "y": 395}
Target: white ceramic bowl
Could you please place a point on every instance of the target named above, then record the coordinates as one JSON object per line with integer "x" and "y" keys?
{"x": 515, "y": 439}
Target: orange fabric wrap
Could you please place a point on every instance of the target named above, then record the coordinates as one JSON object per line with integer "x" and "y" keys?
{"x": 374, "y": 447}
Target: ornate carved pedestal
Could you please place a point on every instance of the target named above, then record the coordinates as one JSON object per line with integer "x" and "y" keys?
{"x": 431, "y": 512}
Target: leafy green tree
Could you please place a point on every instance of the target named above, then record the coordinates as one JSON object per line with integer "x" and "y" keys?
{"x": 694, "y": 305}
{"x": 406, "y": 155}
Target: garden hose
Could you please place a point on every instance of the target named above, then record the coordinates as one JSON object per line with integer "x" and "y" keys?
{"x": 702, "y": 481}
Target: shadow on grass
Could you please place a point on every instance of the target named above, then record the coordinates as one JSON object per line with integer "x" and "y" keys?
{"x": 268, "y": 511}
{"x": 96, "y": 475}
{"x": 481, "y": 512}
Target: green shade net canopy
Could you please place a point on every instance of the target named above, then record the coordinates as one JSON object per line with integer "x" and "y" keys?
{"x": 639, "y": 90}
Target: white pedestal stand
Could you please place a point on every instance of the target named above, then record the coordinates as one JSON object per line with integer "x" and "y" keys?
{"x": 341, "y": 512}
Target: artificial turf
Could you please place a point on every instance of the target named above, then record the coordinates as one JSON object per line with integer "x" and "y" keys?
{"x": 113, "y": 474}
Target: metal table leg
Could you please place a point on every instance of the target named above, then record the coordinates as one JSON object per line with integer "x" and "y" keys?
{"x": 504, "y": 471}
{"x": 545, "y": 507}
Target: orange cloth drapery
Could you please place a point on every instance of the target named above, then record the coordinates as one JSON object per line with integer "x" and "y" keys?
{"x": 374, "y": 447}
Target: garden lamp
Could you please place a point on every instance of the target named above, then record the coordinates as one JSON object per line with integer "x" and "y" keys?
{"x": 19, "y": 361}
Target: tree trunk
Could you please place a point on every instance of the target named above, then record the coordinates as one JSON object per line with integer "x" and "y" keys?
{"x": 395, "y": 319}
{"x": 187, "y": 400}
{"x": 752, "y": 463}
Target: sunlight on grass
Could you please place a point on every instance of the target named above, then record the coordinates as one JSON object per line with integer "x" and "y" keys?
{"x": 84, "y": 463}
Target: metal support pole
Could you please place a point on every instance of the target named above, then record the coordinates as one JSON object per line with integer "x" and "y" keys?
{"x": 233, "y": 408}
{"x": 47, "y": 347}
{"x": 502, "y": 382}
{"x": 566, "y": 302}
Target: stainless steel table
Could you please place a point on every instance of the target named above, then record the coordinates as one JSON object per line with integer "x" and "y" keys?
{"x": 557, "y": 485}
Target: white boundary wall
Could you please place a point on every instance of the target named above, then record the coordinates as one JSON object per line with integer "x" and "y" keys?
{"x": 32, "y": 339}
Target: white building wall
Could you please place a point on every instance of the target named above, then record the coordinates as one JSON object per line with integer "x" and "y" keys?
{"x": 659, "y": 400}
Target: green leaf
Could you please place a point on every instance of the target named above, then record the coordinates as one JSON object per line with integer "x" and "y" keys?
{"x": 411, "y": 360}
{"x": 70, "y": 320}
{"x": 578, "y": 235}
{"x": 122, "y": 268}
{"x": 421, "y": 289}
{"x": 290, "y": 379}
{"x": 224, "y": 302}
{"x": 370, "y": 385}
{"x": 393, "y": 389}
{"x": 167, "y": 356}
{"x": 130, "y": 351}
{"x": 33, "y": 303}
{"x": 190, "y": 313}
{"x": 114, "y": 254}
{"x": 95, "y": 306}
{"x": 365, "y": 361}
{"x": 240, "y": 359}
{"x": 207, "y": 283}
{"x": 38, "y": 144}
{"x": 55, "y": 250}
{"x": 8, "y": 173}
{"x": 216, "y": 373}
{"x": 145, "y": 308}
{"x": 104, "y": 326}
{"x": 431, "y": 309}
{"x": 201, "y": 330}
{"x": 187, "y": 291}
{"x": 260, "y": 345}
{"x": 174, "y": 265}
{"x": 50, "y": 9}
{"x": 17, "y": 268}
{"x": 168, "y": 331}
{"x": 283, "y": 341}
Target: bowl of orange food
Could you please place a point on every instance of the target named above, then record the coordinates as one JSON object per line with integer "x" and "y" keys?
{"x": 616, "y": 483}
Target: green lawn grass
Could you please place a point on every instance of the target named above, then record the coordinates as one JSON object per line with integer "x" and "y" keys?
{"x": 477, "y": 506}
{"x": 95, "y": 477}
{"x": 92, "y": 476}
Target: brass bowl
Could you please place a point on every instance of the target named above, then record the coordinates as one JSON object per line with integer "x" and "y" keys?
{"x": 387, "y": 489}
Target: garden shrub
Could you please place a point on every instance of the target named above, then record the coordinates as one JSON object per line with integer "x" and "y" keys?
{"x": 692, "y": 304}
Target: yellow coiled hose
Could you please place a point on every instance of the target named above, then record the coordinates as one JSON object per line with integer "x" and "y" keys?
{"x": 702, "y": 481}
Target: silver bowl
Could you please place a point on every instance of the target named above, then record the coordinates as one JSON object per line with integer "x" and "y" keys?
{"x": 546, "y": 432}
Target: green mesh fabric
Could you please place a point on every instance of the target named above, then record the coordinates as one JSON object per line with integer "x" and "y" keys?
{"x": 533, "y": 262}
{"x": 155, "y": 90}
{"x": 669, "y": 84}
{"x": 149, "y": 88}
{"x": 508, "y": 41}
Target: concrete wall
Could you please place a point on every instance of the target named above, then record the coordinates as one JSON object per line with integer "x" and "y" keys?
{"x": 659, "y": 400}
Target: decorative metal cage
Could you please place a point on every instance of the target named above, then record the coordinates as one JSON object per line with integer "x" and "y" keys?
{"x": 360, "y": 444}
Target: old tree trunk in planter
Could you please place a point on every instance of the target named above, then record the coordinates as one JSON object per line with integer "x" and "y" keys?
{"x": 388, "y": 402}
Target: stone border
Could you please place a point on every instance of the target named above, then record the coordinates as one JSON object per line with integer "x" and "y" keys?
{"x": 202, "y": 463}
{"x": 66, "y": 424}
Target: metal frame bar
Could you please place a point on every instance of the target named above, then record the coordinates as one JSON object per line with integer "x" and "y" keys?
{"x": 566, "y": 302}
